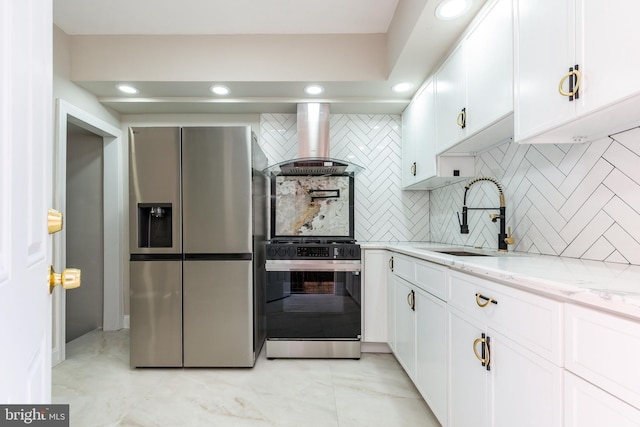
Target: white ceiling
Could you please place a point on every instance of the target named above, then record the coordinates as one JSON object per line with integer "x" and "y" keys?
{"x": 415, "y": 41}
{"x": 224, "y": 16}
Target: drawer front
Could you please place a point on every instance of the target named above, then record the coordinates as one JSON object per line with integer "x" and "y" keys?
{"x": 530, "y": 320}
{"x": 431, "y": 278}
{"x": 605, "y": 350}
{"x": 404, "y": 267}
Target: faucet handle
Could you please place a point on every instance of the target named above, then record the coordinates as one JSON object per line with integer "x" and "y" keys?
{"x": 509, "y": 240}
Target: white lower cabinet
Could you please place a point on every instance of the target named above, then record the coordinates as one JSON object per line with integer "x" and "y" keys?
{"x": 391, "y": 303}
{"x": 495, "y": 377}
{"x": 374, "y": 307}
{"x": 406, "y": 326}
{"x": 603, "y": 380}
{"x": 485, "y": 354}
{"x": 431, "y": 352}
{"x": 416, "y": 331}
{"x": 589, "y": 406}
{"x": 525, "y": 389}
{"x": 468, "y": 379}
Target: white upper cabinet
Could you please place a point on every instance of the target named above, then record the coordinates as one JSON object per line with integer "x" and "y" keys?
{"x": 421, "y": 168}
{"x": 474, "y": 86}
{"x": 451, "y": 90}
{"x": 489, "y": 49}
{"x": 592, "y": 36}
{"x": 418, "y": 138}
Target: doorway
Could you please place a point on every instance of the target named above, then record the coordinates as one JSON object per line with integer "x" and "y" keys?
{"x": 100, "y": 145}
{"x": 84, "y": 230}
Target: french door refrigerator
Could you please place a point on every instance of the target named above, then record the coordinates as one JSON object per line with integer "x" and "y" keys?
{"x": 197, "y": 220}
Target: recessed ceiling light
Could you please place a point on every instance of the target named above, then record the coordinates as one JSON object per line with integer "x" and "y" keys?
{"x": 402, "y": 87}
{"x": 127, "y": 89}
{"x": 451, "y": 9}
{"x": 220, "y": 90}
{"x": 314, "y": 89}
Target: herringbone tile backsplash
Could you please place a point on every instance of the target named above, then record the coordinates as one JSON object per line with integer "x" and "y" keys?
{"x": 383, "y": 212}
{"x": 575, "y": 200}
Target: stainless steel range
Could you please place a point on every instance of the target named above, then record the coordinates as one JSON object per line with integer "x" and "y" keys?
{"x": 313, "y": 299}
{"x": 313, "y": 268}
{"x": 313, "y": 261}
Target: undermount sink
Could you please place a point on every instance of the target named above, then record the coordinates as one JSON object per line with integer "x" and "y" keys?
{"x": 457, "y": 252}
{"x": 462, "y": 253}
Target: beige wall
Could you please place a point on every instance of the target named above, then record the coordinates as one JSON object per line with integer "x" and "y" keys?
{"x": 64, "y": 88}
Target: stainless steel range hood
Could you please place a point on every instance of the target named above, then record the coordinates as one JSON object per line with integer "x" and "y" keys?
{"x": 313, "y": 146}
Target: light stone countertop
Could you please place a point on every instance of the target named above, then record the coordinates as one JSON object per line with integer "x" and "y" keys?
{"x": 607, "y": 286}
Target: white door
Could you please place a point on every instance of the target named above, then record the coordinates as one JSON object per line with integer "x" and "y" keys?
{"x": 25, "y": 195}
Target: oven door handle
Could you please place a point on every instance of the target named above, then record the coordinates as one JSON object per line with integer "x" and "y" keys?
{"x": 313, "y": 265}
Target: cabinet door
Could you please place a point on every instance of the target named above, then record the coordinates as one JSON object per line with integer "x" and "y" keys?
{"x": 418, "y": 138}
{"x": 468, "y": 404}
{"x": 451, "y": 88}
{"x": 490, "y": 61}
{"x": 607, "y": 51}
{"x": 406, "y": 326}
{"x": 431, "y": 352}
{"x": 391, "y": 304}
{"x": 375, "y": 296}
{"x": 544, "y": 51}
{"x": 589, "y": 406}
{"x": 526, "y": 389}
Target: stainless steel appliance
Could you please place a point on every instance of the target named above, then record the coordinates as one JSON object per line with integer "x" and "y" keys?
{"x": 197, "y": 221}
{"x": 314, "y": 307}
{"x": 313, "y": 268}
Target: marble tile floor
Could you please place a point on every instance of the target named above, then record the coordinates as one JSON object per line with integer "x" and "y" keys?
{"x": 102, "y": 390}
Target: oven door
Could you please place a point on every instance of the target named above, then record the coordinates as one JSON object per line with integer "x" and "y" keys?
{"x": 313, "y": 300}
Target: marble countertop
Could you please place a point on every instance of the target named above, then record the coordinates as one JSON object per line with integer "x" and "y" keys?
{"x": 608, "y": 286}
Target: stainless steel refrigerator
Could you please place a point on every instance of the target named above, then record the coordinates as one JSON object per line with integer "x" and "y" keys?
{"x": 198, "y": 230}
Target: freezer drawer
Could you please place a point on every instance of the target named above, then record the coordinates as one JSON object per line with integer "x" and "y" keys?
{"x": 156, "y": 313}
{"x": 218, "y": 314}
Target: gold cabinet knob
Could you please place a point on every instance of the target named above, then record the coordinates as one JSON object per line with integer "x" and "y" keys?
{"x": 54, "y": 221}
{"x": 68, "y": 279}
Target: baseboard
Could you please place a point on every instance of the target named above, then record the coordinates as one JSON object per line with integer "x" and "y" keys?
{"x": 374, "y": 347}
{"x": 126, "y": 321}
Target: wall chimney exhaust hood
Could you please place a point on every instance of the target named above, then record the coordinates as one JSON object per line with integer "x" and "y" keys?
{"x": 313, "y": 146}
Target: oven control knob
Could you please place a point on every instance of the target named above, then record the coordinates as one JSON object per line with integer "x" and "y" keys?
{"x": 291, "y": 252}
{"x": 282, "y": 252}
{"x": 271, "y": 252}
{"x": 353, "y": 252}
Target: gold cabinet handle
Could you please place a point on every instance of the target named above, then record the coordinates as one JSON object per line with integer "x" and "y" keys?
{"x": 485, "y": 356}
{"x": 68, "y": 279}
{"x": 411, "y": 300}
{"x": 571, "y": 73}
{"x": 462, "y": 118}
{"x": 54, "y": 221}
{"x": 413, "y": 169}
{"x": 483, "y": 301}
{"x": 391, "y": 263}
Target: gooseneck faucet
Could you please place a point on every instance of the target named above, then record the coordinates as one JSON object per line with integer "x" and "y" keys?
{"x": 503, "y": 239}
